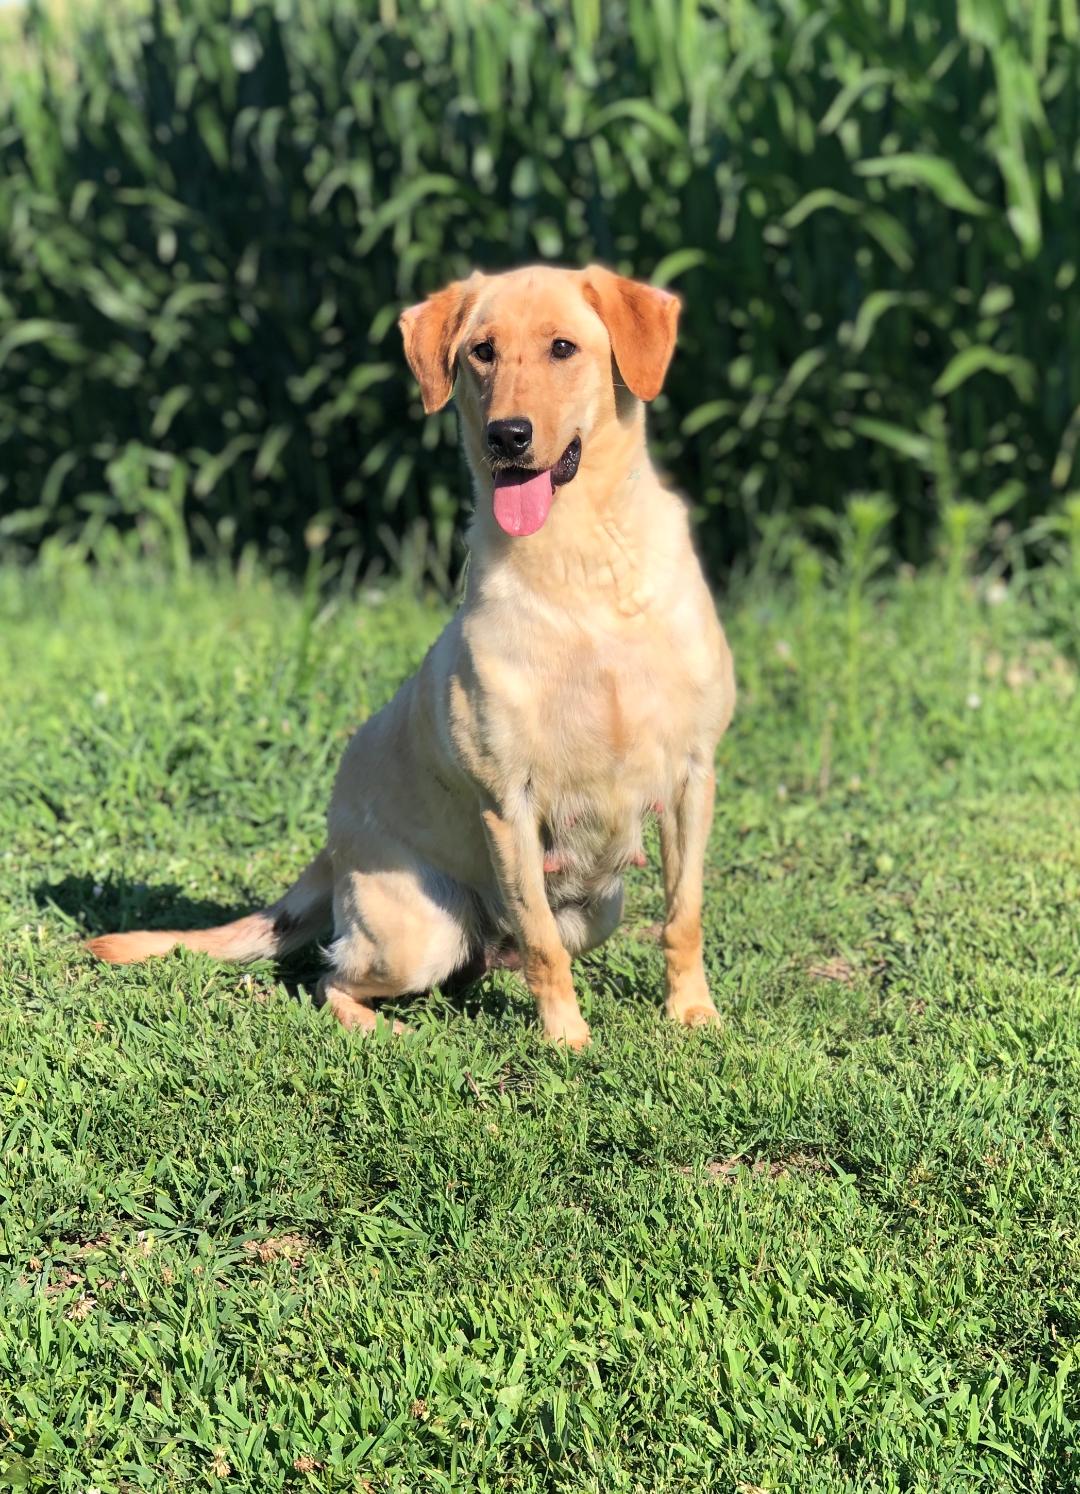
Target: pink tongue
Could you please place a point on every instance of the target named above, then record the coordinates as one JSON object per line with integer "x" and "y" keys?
{"x": 521, "y": 507}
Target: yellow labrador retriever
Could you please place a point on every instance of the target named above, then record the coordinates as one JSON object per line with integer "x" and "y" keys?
{"x": 488, "y": 813}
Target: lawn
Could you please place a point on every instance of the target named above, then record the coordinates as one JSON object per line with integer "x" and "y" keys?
{"x": 835, "y": 1245}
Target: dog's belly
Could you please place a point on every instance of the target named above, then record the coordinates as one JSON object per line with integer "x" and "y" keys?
{"x": 587, "y": 851}
{"x": 596, "y": 789}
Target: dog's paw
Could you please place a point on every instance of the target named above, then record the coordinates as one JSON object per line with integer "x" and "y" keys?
{"x": 700, "y": 1016}
{"x": 694, "y": 1011}
{"x": 355, "y": 1012}
{"x": 569, "y": 1032}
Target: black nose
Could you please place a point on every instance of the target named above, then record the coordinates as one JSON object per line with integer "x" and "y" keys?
{"x": 509, "y": 438}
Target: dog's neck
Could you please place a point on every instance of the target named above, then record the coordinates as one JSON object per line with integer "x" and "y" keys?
{"x": 594, "y": 545}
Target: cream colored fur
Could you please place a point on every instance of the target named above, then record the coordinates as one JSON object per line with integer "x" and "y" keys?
{"x": 583, "y": 684}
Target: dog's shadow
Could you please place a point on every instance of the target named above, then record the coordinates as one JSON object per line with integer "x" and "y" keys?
{"x": 115, "y": 904}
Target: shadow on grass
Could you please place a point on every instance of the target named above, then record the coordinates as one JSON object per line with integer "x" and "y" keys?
{"x": 115, "y": 905}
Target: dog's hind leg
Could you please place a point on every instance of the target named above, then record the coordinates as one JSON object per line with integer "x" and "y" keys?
{"x": 397, "y": 932}
{"x": 352, "y": 1002}
{"x": 293, "y": 920}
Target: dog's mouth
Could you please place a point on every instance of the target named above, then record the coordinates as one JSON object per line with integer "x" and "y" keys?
{"x": 523, "y": 496}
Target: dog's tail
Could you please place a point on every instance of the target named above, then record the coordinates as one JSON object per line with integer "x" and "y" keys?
{"x": 290, "y": 922}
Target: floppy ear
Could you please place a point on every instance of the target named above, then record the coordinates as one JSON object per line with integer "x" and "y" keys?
{"x": 641, "y": 322}
{"x": 432, "y": 332}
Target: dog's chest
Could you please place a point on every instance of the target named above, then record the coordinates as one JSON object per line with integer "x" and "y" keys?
{"x": 606, "y": 742}
{"x": 596, "y": 724}
{"x": 606, "y": 720}
{"x": 610, "y": 762}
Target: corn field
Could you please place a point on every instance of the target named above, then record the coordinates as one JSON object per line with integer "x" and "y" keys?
{"x": 211, "y": 214}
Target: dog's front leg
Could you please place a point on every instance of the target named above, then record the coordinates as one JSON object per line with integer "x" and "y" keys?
{"x": 684, "y": 830}
{"x": 517, "y": 854}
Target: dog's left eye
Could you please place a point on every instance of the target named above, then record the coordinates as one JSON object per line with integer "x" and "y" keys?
{"x": 561, "y": 348}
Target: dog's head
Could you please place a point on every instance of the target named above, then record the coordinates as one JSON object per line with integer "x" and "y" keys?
{"x": 545, "y": 359}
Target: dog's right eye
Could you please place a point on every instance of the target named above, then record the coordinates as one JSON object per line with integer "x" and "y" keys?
{"x": 484, "y": 352}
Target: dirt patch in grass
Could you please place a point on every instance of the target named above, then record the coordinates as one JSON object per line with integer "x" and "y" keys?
{"x": 291, "y": 1248}
{"x": 727, "y": 1170}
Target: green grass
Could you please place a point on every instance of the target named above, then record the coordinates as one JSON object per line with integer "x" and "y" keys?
{"x": 833, "y": 1246}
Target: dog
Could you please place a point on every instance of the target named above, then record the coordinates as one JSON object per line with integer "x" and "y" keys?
{"x": 487, "y": 815}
